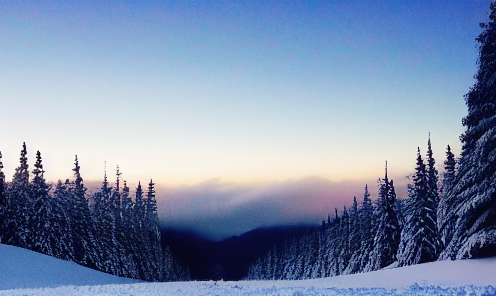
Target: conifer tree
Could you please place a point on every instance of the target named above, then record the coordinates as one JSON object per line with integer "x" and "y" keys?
{"x": 153, "y": 232}
{"x": 105, "y": 228}
{"x": 86, "y": 250}
{"x": 21, "y": 175}
{"x": 366, "y": 230}
{"x": 387, "y": 235}
{"x": 473, "y": 192}
{"x": 60, "y": 234}
{"x": 419, "y": 236}
{"x": 2, "y": 187}
{"x": 3, "y": 201}
{"x": 354, "y": 239}
{"x": 344, "y": 248}
{"x": 445, "y": 230}
{"x": 449, "y": 169}
{"x": 141, "y": 236}
{"x": 40, "y": 222}
{"x": 432, "y": 177}
{"x": 17, "y": 229}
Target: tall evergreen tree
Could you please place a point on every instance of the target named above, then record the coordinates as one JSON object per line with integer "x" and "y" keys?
{"x": 86, "y": 250}
{"x": 60, "y": 234}
{"x": 105, "y": 228}
{"x": 3, "y": 201}
{"x": 449, "y": 169}
{"x": 40, "y": 222}
{"x": 2, "y": 185}
{"x": 366, "y": 229}
{"x": 446, "y": 202}
{"x": 387, "y": 237}
{"x": 21, "y": 175}
{"x": 419, "y": 236}
{"x": 17, "y": 229}
{"x": 432, "y": 176}
{"x": 474, "y": 189}
{"x": 153, "y": 229}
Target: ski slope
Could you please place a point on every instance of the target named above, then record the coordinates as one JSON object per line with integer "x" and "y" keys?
{"x": 21, "y": 268}
{"x": 28, "y": 273}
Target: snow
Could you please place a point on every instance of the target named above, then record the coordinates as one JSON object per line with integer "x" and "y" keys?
{"x": 21, "y": 268}
{"x": 28, "y": 273}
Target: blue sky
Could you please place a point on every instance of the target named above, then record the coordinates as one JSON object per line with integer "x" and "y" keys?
{"x": 245, "y": 93}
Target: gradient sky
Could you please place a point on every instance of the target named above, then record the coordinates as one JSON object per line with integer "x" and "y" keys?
{"x": 235, "y": 94}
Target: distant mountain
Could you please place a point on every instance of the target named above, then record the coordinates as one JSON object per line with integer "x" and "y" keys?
{"x": 228, "y": 259}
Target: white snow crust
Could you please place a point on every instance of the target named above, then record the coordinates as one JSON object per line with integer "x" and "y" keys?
{"x": 21, "y": 268}
{"x": 25, "y": 272}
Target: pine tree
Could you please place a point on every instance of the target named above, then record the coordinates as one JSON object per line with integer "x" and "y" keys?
{"x": 449, "y": 169}
{"x": 127, "y": 233}
{"x": 354, "y": 239}
{"x": 2, "y": 187}
{"x": 40, "y": 222}
{"x": 432, "y": 177}
{"x": 474, "y": 190}
{"x": 141, "y": 237}
{"x": 387, "y": 235}
{"x": 60, "y": 234}
{"x": 153, "y": 231}
{"x": 344, "y": 249}
{"x": 418, "y": 242}
{"x": 3, "y": 201}
{"x": 105, "y": 228}
{"x": 21, "y": 175}
{"x": 86, "y": 250}
{"x": 366, "y": 229}
{"x": 19, "y": 210}
{"x": 445, "y": 230}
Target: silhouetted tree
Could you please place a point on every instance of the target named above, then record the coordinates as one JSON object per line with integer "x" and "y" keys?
{"x": 473, "y": 193}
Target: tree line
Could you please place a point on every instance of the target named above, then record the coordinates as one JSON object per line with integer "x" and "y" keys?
{"x": 450, "y": 219}
{"x": 109, "y": 231}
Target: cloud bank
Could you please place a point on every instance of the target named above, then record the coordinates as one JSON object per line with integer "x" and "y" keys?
{"x": 219, "y": 209}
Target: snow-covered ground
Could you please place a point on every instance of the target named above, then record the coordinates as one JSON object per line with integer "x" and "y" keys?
{"x": 21, "y": 268}
{"x": 22, "y": 271}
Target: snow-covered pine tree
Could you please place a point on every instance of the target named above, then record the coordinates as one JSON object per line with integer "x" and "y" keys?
{"x": 387, "y": 236}
{"x": 474, "y": 188}
{"x": 366, "y": 230}
{"x": 60, "y": 236}
{"x": 432, "y": 177}
{"x": 354, "y": 239}
{"x": 141, "y": 237}
{"x": 41, "y": 221}
{"x": 2, "y": 189}
{"x": 153, "y": 231}
{"x": 445, "y": 230}
{"x": 18, "y": 209}
{"x": 2, "y": 197}
{"x": 120, "y": 238}
{"x": 128, "y": 232}
{"x": 344, "y": 252}
{"x": 105, "y": 229}
{"x": 449, "y": 169}
{"x": 419, "y": 235}
{"x": 21, "y": 175}
{"x": 433, "y": 191}
{"x": 86, "y": 249}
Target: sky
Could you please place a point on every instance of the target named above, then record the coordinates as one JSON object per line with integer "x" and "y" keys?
{"x": 244, "y": 113}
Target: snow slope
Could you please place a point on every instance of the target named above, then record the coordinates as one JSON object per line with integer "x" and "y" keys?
{"x": 21, "y": 268}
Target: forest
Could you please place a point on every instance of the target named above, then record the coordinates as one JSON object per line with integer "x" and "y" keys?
{"x": 109, "y": 231}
